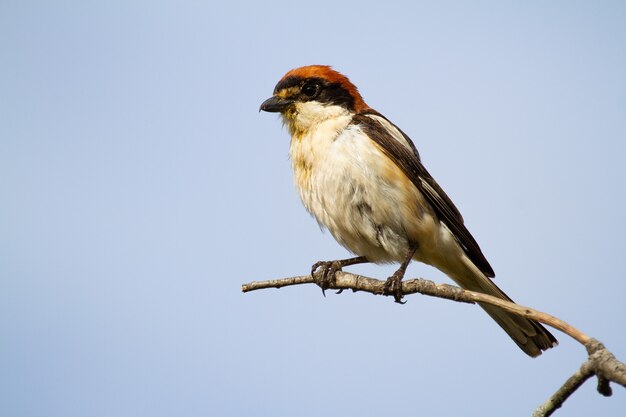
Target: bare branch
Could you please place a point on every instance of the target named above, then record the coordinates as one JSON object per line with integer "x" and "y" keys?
{"x": 346, "y": 280}
{"x": 572, "y": 384}
{"x": 606, "y": 366}
{"x": 600, "y": 362}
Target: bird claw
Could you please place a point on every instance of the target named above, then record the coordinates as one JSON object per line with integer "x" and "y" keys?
{"x": 323, "y": 272}
{"x": 393, "y": 286}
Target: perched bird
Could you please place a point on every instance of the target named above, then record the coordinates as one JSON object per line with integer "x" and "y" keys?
{"x": 361, "y": 177}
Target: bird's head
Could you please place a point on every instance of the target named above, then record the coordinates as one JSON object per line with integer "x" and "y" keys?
{"x": 311, "y": 94}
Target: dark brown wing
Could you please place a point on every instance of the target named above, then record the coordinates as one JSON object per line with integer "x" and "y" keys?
{"x": 409, "y": 161}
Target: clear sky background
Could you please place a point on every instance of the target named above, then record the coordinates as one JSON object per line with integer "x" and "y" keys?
{"x": 140, "y": 187}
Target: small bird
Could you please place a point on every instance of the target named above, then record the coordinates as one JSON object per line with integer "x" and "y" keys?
{"x": 362, "y": 178}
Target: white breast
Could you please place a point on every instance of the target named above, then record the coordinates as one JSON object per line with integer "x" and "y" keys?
{"x": 355, "y": 191}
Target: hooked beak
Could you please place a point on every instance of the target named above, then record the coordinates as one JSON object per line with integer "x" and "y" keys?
{"x": 275, "y": 104}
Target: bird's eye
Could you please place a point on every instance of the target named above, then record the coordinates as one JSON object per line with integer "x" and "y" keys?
{"x": 310, "y": 90}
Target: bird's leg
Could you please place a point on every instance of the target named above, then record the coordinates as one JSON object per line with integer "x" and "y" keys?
{"x": 393, "y": 285}
{"x": 324, "y": 271}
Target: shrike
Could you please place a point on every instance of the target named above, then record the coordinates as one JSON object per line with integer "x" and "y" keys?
{"x": 361, "y": 177}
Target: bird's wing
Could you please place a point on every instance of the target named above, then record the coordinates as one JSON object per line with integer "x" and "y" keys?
{"x": 401, "y": 150}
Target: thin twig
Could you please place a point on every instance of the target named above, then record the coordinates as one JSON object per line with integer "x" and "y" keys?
{"x": 557, "y": 399}
{"x": 346, "y": 280}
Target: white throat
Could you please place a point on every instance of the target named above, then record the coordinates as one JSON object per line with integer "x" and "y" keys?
{"x": 304, "y": 117}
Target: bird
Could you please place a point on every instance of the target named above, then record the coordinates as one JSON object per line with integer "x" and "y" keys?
{"x": 362, "y": 179}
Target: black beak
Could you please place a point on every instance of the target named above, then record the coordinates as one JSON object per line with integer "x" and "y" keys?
{"x": 275, "y": 104}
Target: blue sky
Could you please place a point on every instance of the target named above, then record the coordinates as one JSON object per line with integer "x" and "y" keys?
{"x": 140, "y": 187}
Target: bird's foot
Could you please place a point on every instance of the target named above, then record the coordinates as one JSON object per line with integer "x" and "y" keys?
{"x": 393, "y": 286}
{"x": 323, "y": 272}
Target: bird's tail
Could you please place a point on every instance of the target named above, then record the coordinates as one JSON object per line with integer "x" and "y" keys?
{"x": 529, "y": 335}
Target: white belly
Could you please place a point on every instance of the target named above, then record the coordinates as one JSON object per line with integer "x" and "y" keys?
{"x": 361, "y": 197}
